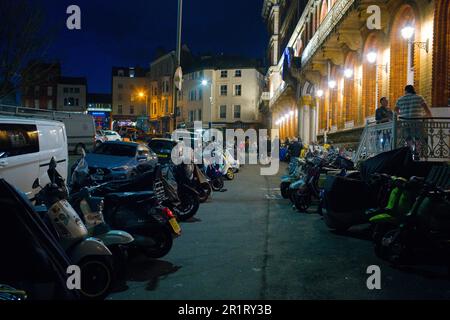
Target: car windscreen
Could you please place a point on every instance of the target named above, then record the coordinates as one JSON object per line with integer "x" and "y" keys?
{"x": 116, "y": 150}
{"x": 110, "y": 133}
{"x": 162, "y": 146}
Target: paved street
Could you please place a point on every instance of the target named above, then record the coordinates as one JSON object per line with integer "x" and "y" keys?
{"x": 248, "y": 243}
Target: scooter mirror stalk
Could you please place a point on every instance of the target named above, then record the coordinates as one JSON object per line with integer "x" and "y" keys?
{"x": 36, "y": 184}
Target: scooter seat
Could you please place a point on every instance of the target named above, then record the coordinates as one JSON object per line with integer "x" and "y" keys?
{"x": 130, "y": 196}
{"x": 384, "y": 217}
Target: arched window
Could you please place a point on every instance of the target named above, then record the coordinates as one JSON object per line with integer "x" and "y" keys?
{"x": 373, "y": 47}
{"x": 399, "y": 51}
{"x": 441, "y": 55}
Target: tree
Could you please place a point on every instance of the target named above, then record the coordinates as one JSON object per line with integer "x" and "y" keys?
{"x": 22, "y": 38}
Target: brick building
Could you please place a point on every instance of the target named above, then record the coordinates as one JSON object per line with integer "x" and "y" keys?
{"x": 329, "y": 67}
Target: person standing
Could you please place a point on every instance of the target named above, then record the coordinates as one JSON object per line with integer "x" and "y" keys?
{"x": 383, "y": 113}
{"x": 412, "y": 107}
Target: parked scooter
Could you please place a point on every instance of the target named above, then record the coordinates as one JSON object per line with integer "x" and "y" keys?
{"x": 401, "y": 199}
{"x": 139, "y": 213}
{"x": 424, "y": 233}
{"x": 33, "y": 261}
{"x": 90, "y": 254}
{"x": 201, "y": 184}
{"x": 91, "y": 213}
{"x": 215, "y": 176}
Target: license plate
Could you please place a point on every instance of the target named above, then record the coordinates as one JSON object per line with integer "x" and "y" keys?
{"x": 163, "y": 155}
{"x": 175, "y": 226}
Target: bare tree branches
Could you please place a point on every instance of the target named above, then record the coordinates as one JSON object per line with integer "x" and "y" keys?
{"x": 23, "y": 38}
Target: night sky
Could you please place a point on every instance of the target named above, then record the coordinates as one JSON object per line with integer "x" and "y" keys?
{"x": 127, "y": 32}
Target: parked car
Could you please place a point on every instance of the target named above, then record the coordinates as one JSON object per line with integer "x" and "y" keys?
{"x": 111, "y": 135}
{"x": 118, "y": 160}
{"x": 163, "y": 148}
{"x": 26, "y": 148}
{"x": 99, "y": 138}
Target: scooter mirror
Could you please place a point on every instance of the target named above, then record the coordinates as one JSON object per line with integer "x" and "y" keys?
{"x": 36, "y": 183}
{"x": 53, "y": 164}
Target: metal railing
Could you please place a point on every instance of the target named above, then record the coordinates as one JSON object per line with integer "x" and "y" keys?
{"x": 428, "y": 137}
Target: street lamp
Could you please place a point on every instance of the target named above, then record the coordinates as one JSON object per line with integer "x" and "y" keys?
{"x": 332, "y": 84}
{"x": 141, "y": 95}
{"x": 348, "y": 73}
{"x": 407, "y": 33}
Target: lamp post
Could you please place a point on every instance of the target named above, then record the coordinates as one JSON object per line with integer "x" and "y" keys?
{"x": 319, "y": 95}
{"x": 143, "y": 95}
{"x": 205, "y": 83}
{"x": 178, "y": 60}
{"x": 331, "y": 86}
{"x": 407, "y": 33}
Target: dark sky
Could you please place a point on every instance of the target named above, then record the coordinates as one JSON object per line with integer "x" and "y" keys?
{"x": 127, "y": 32}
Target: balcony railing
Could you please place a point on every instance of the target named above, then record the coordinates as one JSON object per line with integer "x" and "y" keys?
{"x": 428, "y": 137}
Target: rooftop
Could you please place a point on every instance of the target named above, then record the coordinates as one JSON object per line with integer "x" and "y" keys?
{"x": 73, "y": 80}
{"x": 223, "y": 62}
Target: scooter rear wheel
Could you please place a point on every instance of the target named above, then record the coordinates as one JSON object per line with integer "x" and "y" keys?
{"x": 230, "y": 174}
{"x": 162, "y": 238}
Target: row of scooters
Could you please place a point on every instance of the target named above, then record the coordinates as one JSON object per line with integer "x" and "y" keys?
{"x": 98, "y": 228}
{"x": 409, "y": 217}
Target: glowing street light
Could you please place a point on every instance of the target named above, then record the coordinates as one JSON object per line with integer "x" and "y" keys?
{"x": 407, "y": 32}
{"x": 204, "y": 82}
{"x": 319, "y": 93}
{"x": 332, "y": 84}
{"x": 372, "y": 57}
{"x": 348, "y": 73}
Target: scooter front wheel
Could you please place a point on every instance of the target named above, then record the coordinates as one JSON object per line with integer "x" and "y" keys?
{"x": 284, "y": 188}
{"x": 217, "y": 184}
{"x": 302, "y": 201}
{"x": 96, "y": 277}
{"x": 189, "y": 206}
{"x": 204, "y": 192}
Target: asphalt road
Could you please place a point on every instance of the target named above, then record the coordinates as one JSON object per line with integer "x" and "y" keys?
{"x": 248, "y": 243}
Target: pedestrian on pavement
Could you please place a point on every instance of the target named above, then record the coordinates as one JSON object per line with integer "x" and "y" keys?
{"x": 413, "y": 108}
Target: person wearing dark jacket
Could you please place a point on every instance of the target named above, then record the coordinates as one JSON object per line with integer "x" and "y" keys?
{"x": 295, "y": 149}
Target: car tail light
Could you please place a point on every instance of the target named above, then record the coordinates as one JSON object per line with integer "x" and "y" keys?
{"x": 169, "y": 214}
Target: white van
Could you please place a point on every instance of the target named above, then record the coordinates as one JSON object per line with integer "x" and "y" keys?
{"x": 80, "y": 127}
{"x": 26, "y": 148}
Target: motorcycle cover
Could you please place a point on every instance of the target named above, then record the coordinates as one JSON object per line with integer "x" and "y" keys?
{"x": 398, "y": 162}
{"x": 345, "y": 195}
